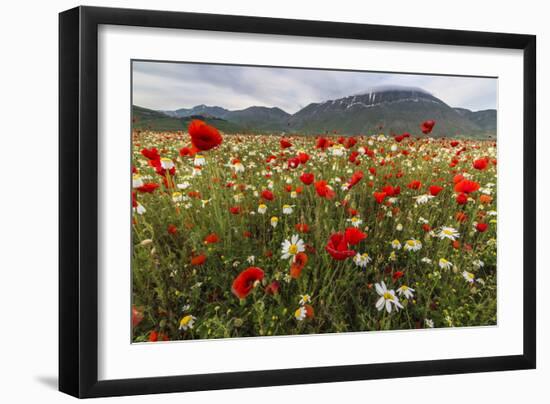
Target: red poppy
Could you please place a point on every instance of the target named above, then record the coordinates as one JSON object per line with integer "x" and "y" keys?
{"x": 137, "y": 316}
{"x": 355, "y": 178}
{"x": 302, "y": 227}
{"x": 427, "y": 126}
{"x": 244, "y": 282}
{"x": 397, "y": 274}
{"x": 415, "y": 184}
{"x": 186, "y": 151}
{"x": 267, "y": 195}
{"x": 337, "y": 247}
{"x": 309, "y": 311}
{"x": 481, "y": 164}
{"x": 350, "y": 142}
{"x": 211, "y": 238}
{"x": 399, "y": 138}
{"x": 466, "y": 186}
{"x": 353, "y": 156}
{"x": 235, "y": 210}
{"x": 300, "y": 261}
{"x": 198, "y": 260}
{"x": 285, "y": 144}
{"x": 454, "y": 143}
{"x": 307, "y": 178}
{"x": 426, "y": 227}
{"x": 293, "y": 162}
{"x": 354, "y": 236}
{"x": 272, "y": 288}
{"x": 155, "y": 336}
{"x": 172, "y": 229}
{"x": 204, "y": 137}
{"x": 391, "y": 191}
{"x": 303, "y": 157}
{"x": 148, "y": 187}
{"x": 435, "y": 190}
{"x": 462, "y": 199}
{"x": 461, "y": 217}
{"x": 151, "y": 154}
{"x": 481, "y": 227}
{"x": 457, "y": 178}
{"x": 324, "y": 190}
{"x": 379, "y": 196}
{"x": 322, "y": 143}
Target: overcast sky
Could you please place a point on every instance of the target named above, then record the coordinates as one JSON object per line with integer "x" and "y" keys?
{"x": 169, "y": 86}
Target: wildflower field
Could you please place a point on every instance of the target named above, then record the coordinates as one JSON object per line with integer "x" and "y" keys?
{"x": 259, "y": 235}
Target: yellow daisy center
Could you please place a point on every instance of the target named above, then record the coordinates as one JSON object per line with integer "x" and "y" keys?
{"x": 293, "y": 249}
{"x": 388, "y": 296}
{"x": 185, "y": 320}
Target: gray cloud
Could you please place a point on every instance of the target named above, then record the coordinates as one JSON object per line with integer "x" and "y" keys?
{"x": 168, "y": 86}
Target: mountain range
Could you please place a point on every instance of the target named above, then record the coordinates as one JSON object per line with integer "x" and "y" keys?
{"x": 383, "y": 109}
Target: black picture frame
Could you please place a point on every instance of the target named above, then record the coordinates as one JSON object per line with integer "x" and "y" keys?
{"x": 78, "y": 200}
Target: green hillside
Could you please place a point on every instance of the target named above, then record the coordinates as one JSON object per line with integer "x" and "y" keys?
{"x": 147, "y": 119}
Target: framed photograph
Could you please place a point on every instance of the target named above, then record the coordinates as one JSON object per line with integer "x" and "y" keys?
{"x": 251, "y": 201}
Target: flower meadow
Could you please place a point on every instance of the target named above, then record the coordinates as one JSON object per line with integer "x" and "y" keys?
{"x": 263, "y": 235}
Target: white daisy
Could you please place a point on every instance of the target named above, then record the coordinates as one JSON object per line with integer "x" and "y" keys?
{"x": 237, "y": 167}
{"x": 445, "y": 264}
{"x": 187, "y": 322}
{"x": 137, "y": 181}
{"x": 166, "y": 163}
{"x": 468, "y": 276}
{"x": 429, "y": 323}
{"x": 413, "y": 245}
{"x": 140, "y": 209}
{"x": 183, "y": 185}
{"x": 404, "y": 290}
{"x": 422, "y": 199}
{"x": 387, "y": 298}
{"x": 361, "y": 260}
{"x": 304, "y": 299}
{"x": 300, "y": 314}
{"x": 177, "y": 197}
{"x": 292, "y": 247}
{"x": 355, "y": 221}
{"x": 262, "y": 208}
{"x": 396, "y": 244}
{"x": 448, "y": 232}
{"x": 199, "y": 160}
{"x": 274, "y": 221}
{"x": 337, "y": 150}
{"x": 478, "y": 264}
{"x": 288, "y": 209}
